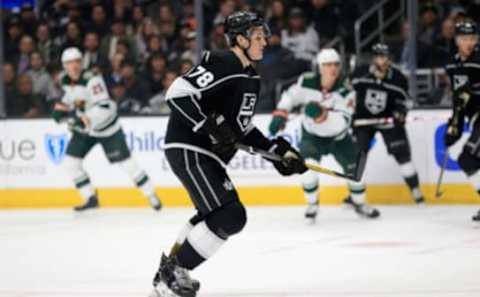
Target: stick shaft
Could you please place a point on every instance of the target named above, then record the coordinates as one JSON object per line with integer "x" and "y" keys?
{"x": 438, "y": 193}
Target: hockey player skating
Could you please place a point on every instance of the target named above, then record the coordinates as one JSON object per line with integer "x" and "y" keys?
{"x": 382, "y": 92}
{"x": 212, "y": 107}
{"x": 92, "y": 118}
{"x": 326, "y": 105}
{"x": 464, "y": 73}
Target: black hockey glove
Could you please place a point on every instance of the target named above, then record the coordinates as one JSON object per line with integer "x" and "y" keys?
{"x": 292, "y": 163}
{"x": 399, "y": 117}
{"x": 461, "y": 96}
{"x": 222, "y": 135}
{"x": 454, "y": 130}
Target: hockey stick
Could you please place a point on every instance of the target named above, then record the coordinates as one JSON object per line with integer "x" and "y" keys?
{"x": 438, "y": 192}
{"x": 390, "y": 120}
{"x": 314, "y": 167}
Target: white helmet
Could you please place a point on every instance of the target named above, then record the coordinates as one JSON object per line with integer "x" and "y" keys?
{"x": 71, "y": 54}
{"x": 328, "y": 55}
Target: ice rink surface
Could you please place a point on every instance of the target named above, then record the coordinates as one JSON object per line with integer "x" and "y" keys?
{"x": 431, "y": 251}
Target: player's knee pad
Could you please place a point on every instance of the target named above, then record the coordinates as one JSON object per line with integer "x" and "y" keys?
{"x": 73, "y": 167}
{"x": 228, "y": 219}
{"x": 468, "y": 163}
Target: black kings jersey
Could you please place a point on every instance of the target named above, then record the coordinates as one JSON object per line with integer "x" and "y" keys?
{"x": 466, "y": 73}
{"x": 218, "y": 85}
{"x": 380, "y": 98}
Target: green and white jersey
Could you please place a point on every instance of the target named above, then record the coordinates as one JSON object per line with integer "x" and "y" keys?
{"x": 99, "y": 108}
{"x": 340, "y": 102}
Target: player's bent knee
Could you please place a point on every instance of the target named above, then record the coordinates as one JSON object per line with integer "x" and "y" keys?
{"x": 228, "y": 220}
{"x": 468, "y": 163}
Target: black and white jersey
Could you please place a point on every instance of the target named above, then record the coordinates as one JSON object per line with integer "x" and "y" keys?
{"x": 218, "y": 85}
{"x": 379, "y": 98}
{"x": 466, "y": 74}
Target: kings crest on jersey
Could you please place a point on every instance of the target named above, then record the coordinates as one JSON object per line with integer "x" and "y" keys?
{"x": 380, "y": 98}
{"x": 218, "y": 85}
{"x": 466, "y": 74}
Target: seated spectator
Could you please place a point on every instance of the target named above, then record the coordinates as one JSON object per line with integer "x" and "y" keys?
{"x": 277, "y": 19}
{"x": 26, "y": 47}
{"x": 158, "y": 104}
{"x": 115, "y": 73}
{"x": 24, "y": 102}
{"x": 137, "y": 89}
{"x": 49, "y": 50}
{"x": 108, "y": 45}
{"x": 123, "y": 47}
{"x": 154, "y": 72}
{"x": 28, "y": 18}
{"x": 125, "y": 104}
{"x": 99, "y": 22}
{"x": 146, "y": 29}
{"x": 9, "y": 79}
{"x": 446, "y": 41}
{"x": 185, "y": 66}
{"x": 190, "y": 52}
{"x": 73, "y": 36}
{"x": 14, "y": 33}
{"x": 38, "y": 74}
{"x": 227, "y": 7}
{"x": 55, "y": 91}
{"x": 138, "y": 18}
{"x": 428, "y": 23}
{"x": 326, "y": 20}
{"x": 91, "y": 54}
{"x": 217, "y": 37}
{"x": 300, "y": 39}
{"x": 401, "y": 51}
{"x": 155, "y": 44}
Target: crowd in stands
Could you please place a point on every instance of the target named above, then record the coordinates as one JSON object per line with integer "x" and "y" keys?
{"x": 141, "y": 46}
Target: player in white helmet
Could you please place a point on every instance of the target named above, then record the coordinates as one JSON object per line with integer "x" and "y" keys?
{"x": 92, "y": 118}
{"x": 327, "y": 105}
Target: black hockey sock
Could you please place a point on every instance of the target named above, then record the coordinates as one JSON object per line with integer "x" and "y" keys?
{"x": 187, "y": 256}
{"x": 414, "y": 185}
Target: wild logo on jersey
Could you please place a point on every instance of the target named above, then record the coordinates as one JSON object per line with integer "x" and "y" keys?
{"x": 375, "y": 101}
{"x": 246, "y": 110}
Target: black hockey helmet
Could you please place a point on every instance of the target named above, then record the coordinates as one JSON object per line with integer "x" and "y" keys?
{"x": 240, "y": 23}
{"x": 380, "y": 49}
{"x": 466, "y": 28}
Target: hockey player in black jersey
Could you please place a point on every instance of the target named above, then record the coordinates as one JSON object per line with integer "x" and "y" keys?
{"x": 212, "y": 107}
{"x": 464, "y": 73}
{"x": 382, "y": 93}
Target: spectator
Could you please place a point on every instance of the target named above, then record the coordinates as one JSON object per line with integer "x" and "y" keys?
{"x": 39, "y": 75}
{"x": 29, "y": 19}
{"x": 24, "y": 102}
{"x": 109, "y": 43}
{"x": 401, "y": 52}
{"x": 155, "y": 44}
{"x": 158, "y": 104}
{"x": 9, "y": 79}
{"x": 138, "y": 18}
{"x": 446, "y": 41}
{"x": 14, "y": 33}
{"x": 99, "y": 22}
{"x": 428, "y": 23}
{"x": 326, "y": 20}
{"x": 227, "y": 7}
{"x": 115, "y": 74}
{"x": 46, "y": 46}
{"x": 217, "y": 37}
{"x": 125, "y": 104}
{"x": 123, "y": 47}
{"x": 154, "y": 72}
{"x": 73, "y": 36}
{"x": 278, "y": 18}
{"x": 185, "y": 66}
{"x": 136, "y": 89}
{"x": 190, "y": 53}
{"x": 55, "y": 91}
{"x": 92, "y": 55}
{"x": 300, "y": 39}
{"x": 146, "y": 29}
{"x": 26, "y": 47}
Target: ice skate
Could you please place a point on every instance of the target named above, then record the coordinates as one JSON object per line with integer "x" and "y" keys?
{"x": 172, "y": 280}
{"x": 476, "y": 217}
{"x": 311, "y": 212}
{"x": 362, "y": 209}
{"x": 92, "y": 202}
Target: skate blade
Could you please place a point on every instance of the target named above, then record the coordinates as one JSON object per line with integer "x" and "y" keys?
{"x": 161, "y": 290}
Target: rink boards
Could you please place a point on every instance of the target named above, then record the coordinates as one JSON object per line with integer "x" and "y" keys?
{"x": 32, "y": 154}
